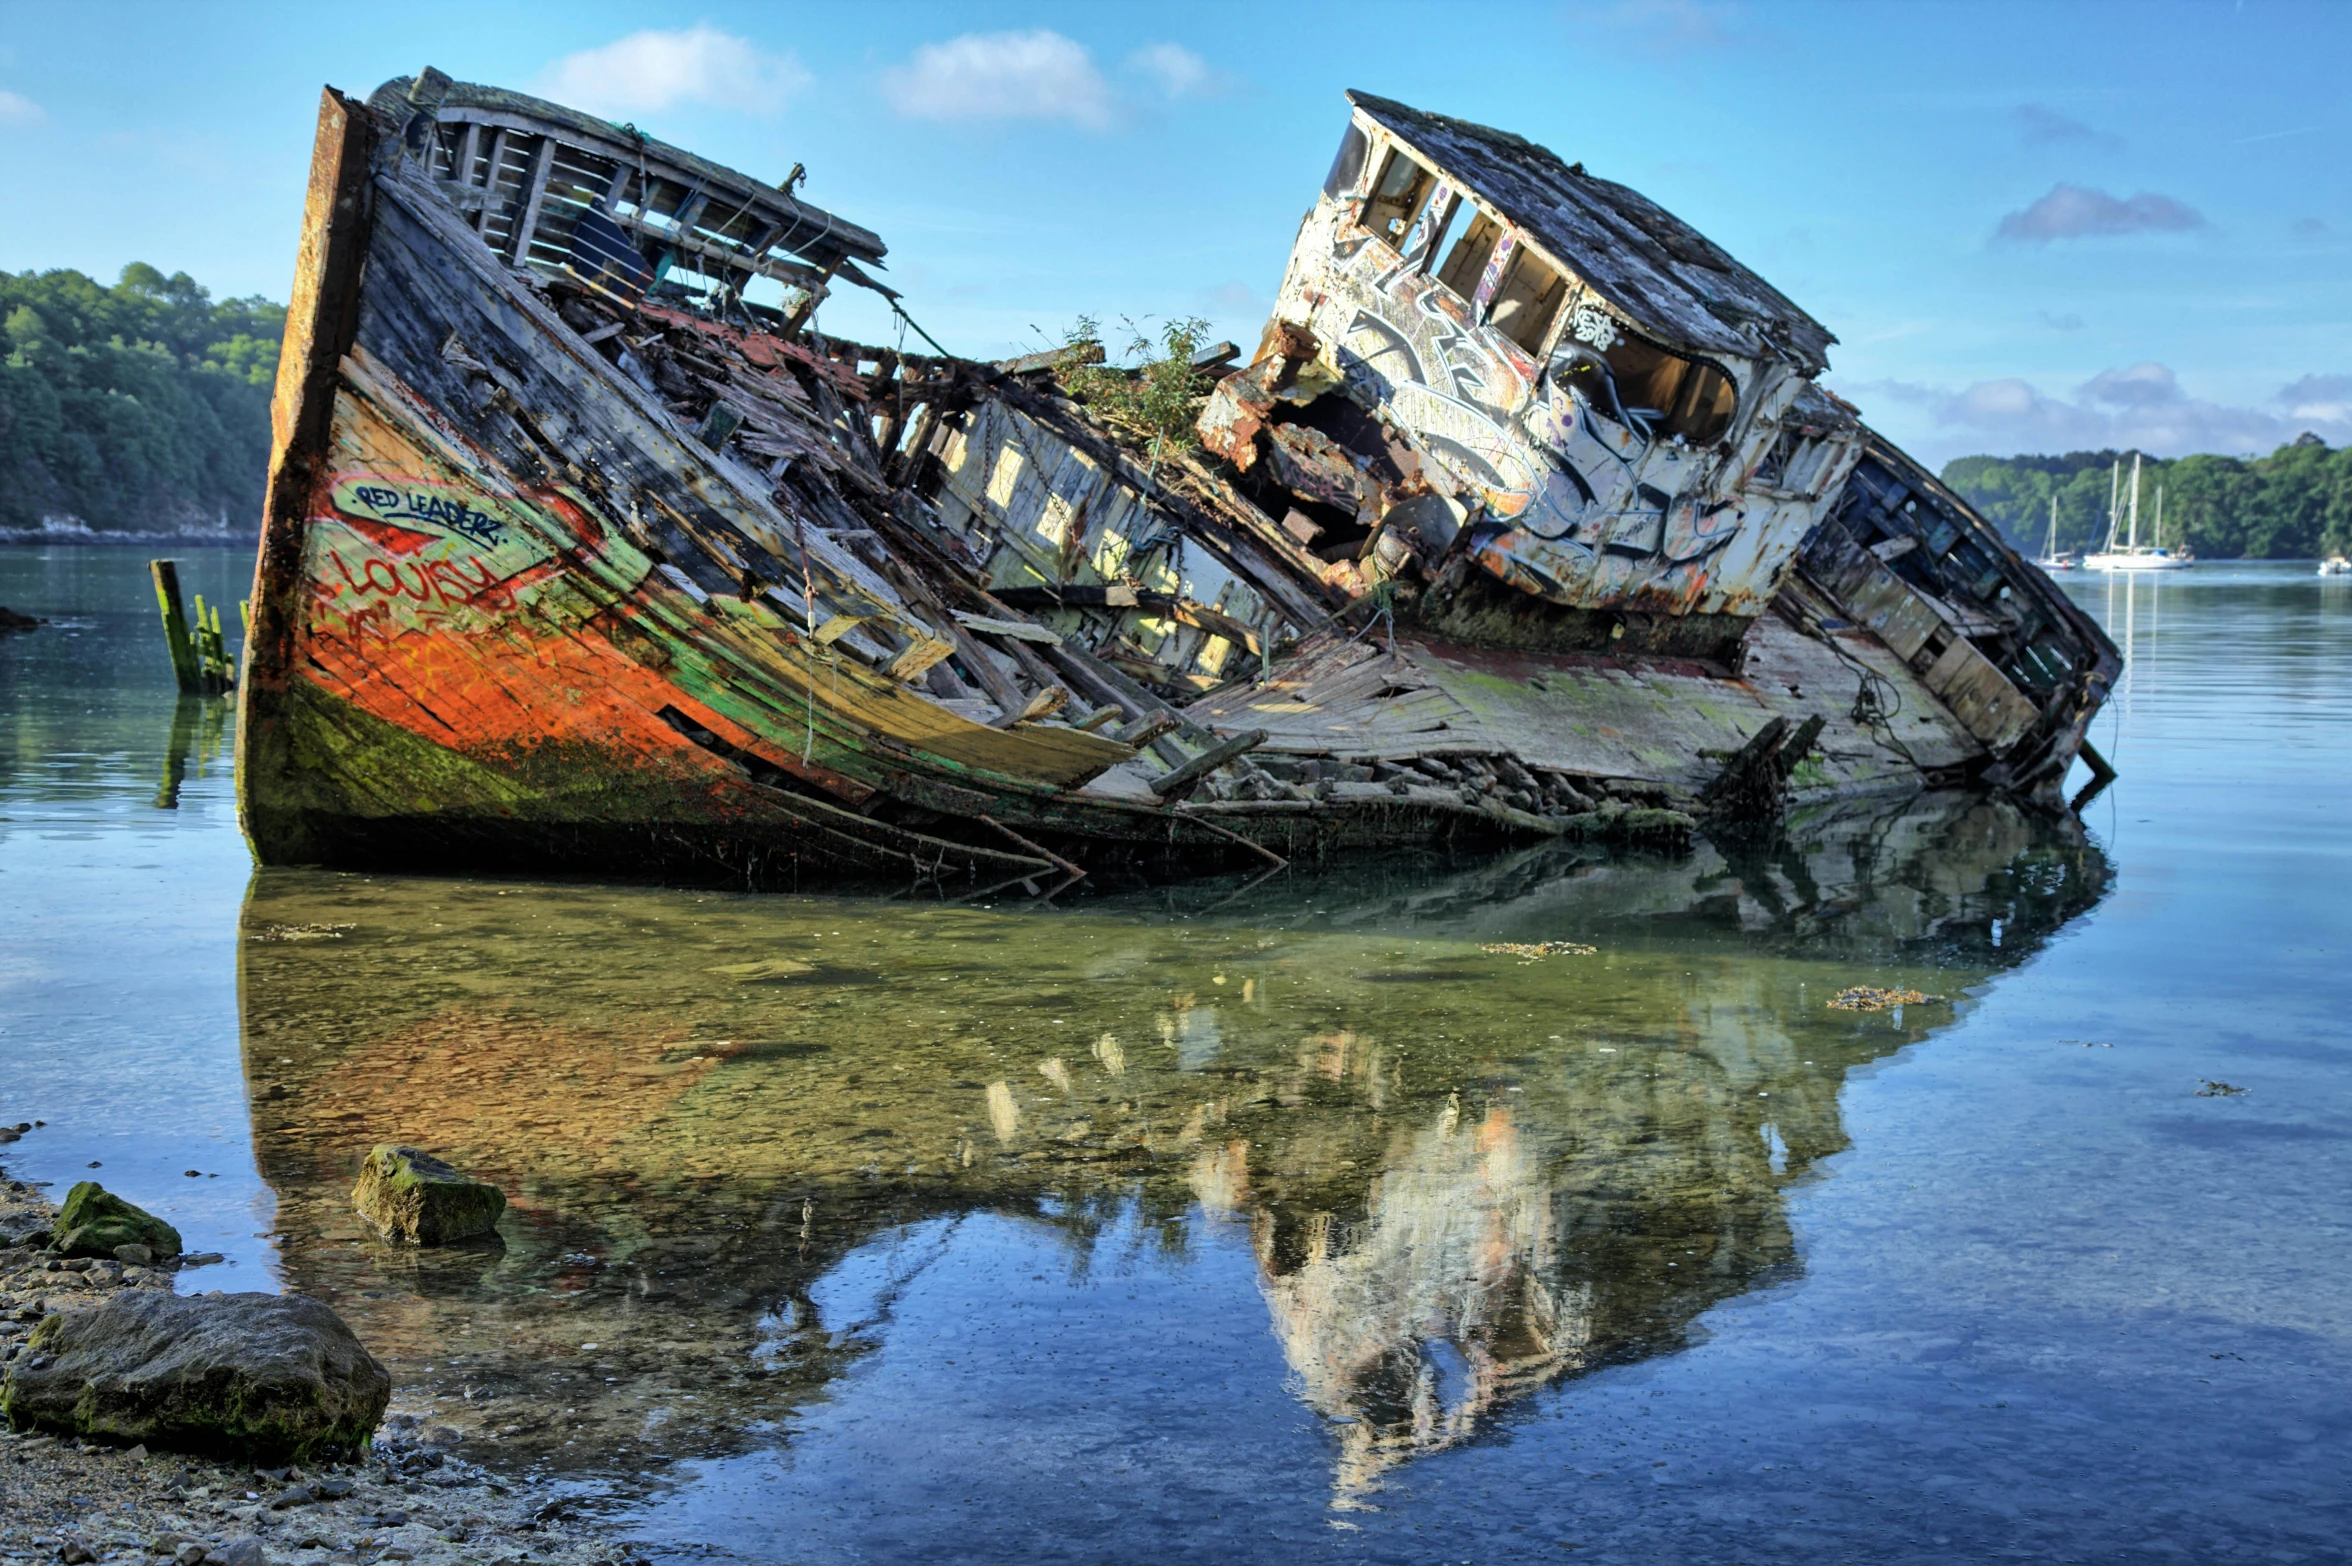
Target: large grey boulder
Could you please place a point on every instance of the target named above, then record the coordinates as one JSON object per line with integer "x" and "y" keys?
{"x": 94, "y": 1221}
{"x": 410, "y": 1195}
{"x": 272, "y": 1377}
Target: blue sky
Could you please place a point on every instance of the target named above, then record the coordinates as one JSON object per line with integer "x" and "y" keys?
{"x": 2032, "y": 227}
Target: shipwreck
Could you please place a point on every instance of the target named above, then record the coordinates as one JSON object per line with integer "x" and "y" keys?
{"x": 1526, "y": 519}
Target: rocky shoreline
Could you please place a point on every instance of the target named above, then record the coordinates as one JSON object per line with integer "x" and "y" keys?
{"x": 405, "y": 1499}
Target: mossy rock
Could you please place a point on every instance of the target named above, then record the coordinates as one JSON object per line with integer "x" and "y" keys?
{"x": 94, "y": 1221}
{"x": 410, "y": 1195}
{"x": 271, "y": 1378}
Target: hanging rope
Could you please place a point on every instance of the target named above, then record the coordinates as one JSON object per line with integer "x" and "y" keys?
{"x": 808, "y": 604}
{"x": 896, "y": 310}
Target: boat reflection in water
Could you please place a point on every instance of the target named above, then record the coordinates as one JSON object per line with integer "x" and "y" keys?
{"x": 1465, "y": 1174}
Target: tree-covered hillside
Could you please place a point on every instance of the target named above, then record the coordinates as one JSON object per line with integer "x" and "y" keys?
{"x": 2293, "y": 504}
{"x": 141, "y": 408}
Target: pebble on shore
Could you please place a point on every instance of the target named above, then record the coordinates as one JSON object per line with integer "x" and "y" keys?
{"x": 71, "y": 1501}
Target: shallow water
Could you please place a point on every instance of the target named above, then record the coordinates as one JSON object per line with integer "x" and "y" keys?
{"x": 1248, "y": 1222}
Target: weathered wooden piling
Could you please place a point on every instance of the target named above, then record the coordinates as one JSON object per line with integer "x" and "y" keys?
{"x": 199, "y": 657}
{"x": 175, "y": 626}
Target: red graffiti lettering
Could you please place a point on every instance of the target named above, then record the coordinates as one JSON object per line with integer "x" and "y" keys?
{"x": 451, "y": 584}
{"x": 485, "y": 588}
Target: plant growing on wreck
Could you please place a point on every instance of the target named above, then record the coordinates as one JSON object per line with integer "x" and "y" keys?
{"x": 1158, "y": 396}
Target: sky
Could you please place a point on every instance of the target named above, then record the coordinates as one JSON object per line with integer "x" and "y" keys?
{"x": 2033, "y": 228}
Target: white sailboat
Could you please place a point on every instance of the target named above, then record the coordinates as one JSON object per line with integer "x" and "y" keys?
{"x": 2133, "y": 556}
{"x": 2051, "y": 559}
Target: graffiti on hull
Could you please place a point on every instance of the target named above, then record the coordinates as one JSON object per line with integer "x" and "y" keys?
{"x": 393, "y": 547}
{"x": 1568, "y": 501}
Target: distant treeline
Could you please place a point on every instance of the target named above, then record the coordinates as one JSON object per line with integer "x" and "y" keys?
{"x": 2294, "y": 504}
{"x": 141, "y": 408}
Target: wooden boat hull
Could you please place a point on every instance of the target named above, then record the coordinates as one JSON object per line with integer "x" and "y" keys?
{"x": 456, "y": 659}
{"x": 468, "y": 652}
{"x": 519, "y": 604}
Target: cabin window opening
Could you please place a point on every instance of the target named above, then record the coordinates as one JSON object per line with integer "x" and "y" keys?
{"x": 1403, "y": 189}
{"x": 1795, "y": 463}
{"x": 1348, "y": 166}
{"x": 1528, "y": 300}
{"x": 1436, "y": 221}
{"x": 1674, "y": 396}
{"x": 1467, "y": 262}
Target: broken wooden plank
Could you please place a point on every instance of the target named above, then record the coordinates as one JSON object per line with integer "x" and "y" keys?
{"x": 1014, "y": 630}
{"x": 1250, "y": 843}
{"x": 1175, "y": 783}
{"x": 1147, "y": 729}
{"x": 1044, "y": 704}
{"x": 518, "y": 246}
{"x": 490, "y": 182}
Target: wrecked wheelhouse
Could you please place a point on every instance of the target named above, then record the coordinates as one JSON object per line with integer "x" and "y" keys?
{"x": 1541, "y": 381}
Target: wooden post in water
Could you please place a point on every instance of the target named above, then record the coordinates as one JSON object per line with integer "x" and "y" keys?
{"x": 175, "y": 627}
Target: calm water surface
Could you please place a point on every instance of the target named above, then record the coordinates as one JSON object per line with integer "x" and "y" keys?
{"x": 1279, "y": 1221}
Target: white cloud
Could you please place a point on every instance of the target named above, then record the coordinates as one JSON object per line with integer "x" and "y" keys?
{"x": 651, "y": 71}
{"x": 1038, "y": 75}
{"x": 2318, "y": 399}
{"x": 2143, "y": 385}
{"x": 1176, "y": 71}
{"x": 2139, "y": 407}
{"x": 2079, "y": 212}
{"x": 2043, "y": 126}
{"x": 17, "y": 109}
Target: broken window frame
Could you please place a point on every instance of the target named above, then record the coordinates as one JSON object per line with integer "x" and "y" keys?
{"x": 1347, "y": 165}
{"x": 1546, "y": 305}
{"x": 1419, "y": 194}
{"x": 1427, "y": 236}
{"x": 1796, "y": 462}
{"x": 1661, "y": 424}
{"x": 1483, "y": 224}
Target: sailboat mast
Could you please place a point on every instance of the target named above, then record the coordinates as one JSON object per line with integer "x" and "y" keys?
{"x": 2051, "y": 550}
{"x": 2135, "y": 505}
{"x": 2159, "y": 516}
{"x": 2114, "y": 492}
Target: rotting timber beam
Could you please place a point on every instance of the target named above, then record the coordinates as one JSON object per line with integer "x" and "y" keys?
{"x": 1751, "y": 789}
{"x": 185, "y": 668}
{"x": 322, "y": 320}
{"x": 1176, "y": 783}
